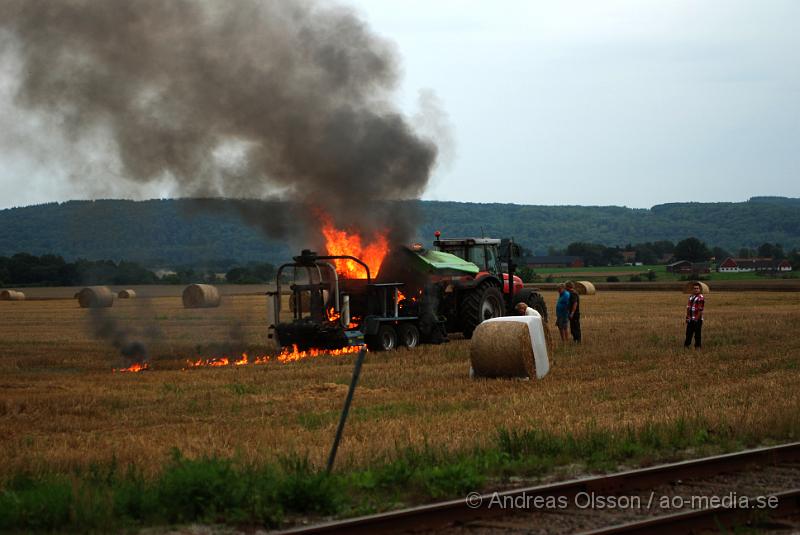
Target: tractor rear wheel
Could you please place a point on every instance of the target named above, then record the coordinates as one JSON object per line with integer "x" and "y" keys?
{"x": 385, "y": 340}
{"x": 482, "y": 303}
{"x": 408, "y": 335}
{"x": 536, "y": 302}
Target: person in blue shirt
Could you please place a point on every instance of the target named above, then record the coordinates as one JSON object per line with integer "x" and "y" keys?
{"x": 562, "y": 312}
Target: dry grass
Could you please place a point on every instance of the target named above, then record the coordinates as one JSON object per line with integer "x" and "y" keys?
{"x": 62, "y": 408}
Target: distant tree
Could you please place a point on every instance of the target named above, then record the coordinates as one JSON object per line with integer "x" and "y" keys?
{"x": 768, "y": 250}
{"x": 592, "y": 253}
{"x": 646, "y": 253}
{"x": 253, "y": 273}
{"x": 664, "y": 247}
{"x": 612, "y": 256}
{"x": 794, "y": 259}
{"x": 720, "y": 254}
{"x": 527, "y": 274}
{"x": 692, "y": 249}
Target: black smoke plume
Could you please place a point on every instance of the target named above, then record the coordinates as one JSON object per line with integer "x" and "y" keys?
{"x": 242, "y": 99}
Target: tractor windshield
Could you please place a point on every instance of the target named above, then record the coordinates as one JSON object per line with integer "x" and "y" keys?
{"x": 484, "y": 256}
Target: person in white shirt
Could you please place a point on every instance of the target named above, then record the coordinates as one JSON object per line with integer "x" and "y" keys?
{"x": 523, "y": 309}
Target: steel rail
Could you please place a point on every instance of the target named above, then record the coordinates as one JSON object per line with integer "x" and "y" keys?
{"x": 712, "y": 518}
{"x": 443, "y": 514}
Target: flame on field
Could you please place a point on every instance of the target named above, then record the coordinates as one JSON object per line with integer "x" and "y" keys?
{"x": 340, "y": 242}
{"x": 287, "y": 355}
{"x": 134, "y": 368}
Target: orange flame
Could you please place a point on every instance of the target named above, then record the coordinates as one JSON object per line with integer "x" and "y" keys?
{"x": 333, "y": 315}
{"x": 134, "y": 368}
{"x": 287, "y": 355}
{"x": 340, "y": 242}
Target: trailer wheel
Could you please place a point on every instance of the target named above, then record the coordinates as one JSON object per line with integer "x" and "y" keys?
{"x": 408, "y": 335}
{"x": 385, "y": 340}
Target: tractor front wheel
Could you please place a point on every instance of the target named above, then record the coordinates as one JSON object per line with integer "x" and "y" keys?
{"x": 482, "y": 303}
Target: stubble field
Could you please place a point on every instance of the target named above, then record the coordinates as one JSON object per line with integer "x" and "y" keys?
{"x": 63, "y": 410}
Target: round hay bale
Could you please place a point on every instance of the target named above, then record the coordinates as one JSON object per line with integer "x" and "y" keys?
{"x": 11, "y": 295}
{"x": 76, "y": 295}
{"x": 585, "y": 288}
{"x": 687, "y": 288}
{"x": 201, "y": 296}
{"x": 95, "y": 297}
{"x": 510, "y": 346}
{"x": 127, "y": 294}
{"x": 502, "y": 349}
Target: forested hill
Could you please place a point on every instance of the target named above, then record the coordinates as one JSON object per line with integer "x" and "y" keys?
{"x": 166, "y": 233}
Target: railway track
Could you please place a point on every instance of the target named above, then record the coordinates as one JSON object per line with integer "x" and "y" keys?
{"x": 753, "y": 486}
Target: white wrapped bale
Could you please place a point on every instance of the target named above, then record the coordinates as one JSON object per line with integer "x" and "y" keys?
{"x": 201, "y": 296}
{"x": 11, "y": 295}
{"x": 513, "y": 346}
{"x": 95, "y": 297}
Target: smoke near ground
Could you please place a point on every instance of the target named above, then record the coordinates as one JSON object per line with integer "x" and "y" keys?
{"x": 131, "y": 343}
{"x": 248, "y": 99}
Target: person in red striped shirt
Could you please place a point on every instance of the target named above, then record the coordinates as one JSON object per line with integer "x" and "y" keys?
{"x": 694, "y": 317}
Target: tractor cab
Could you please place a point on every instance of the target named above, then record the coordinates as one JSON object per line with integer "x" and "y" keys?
{"x": 483, "y": 252}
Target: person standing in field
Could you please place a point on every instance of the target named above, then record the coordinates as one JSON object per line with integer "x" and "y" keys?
{"x": 562, "y": 311}
{"x": 694, "y": 317}
{"x": 574, "y": 312}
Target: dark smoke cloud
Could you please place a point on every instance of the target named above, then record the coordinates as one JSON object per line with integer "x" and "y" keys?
{"x": 243, "y": 99}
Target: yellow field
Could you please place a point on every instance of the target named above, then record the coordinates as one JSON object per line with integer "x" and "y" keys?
{"x": 61, "y": 407}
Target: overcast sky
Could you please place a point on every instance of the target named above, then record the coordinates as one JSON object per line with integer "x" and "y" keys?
{"x": 594, "y": 102}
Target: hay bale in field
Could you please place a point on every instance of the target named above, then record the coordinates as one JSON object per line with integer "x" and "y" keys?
{"x": 95, "y": 297}
{"x": 127, "y": 294}
{"x": 76, "y": 295}
{"x": 201, "y": 296}
{"x": 513, "y": 346}
{"x": 687, "y": 288}
{"x": 11, "y": 295}
{"x": 585, "y": 288}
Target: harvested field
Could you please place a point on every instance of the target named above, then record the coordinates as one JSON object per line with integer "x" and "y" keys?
{"x": 62, "y": 408}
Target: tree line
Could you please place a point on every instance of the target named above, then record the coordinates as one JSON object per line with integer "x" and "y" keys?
{"x": 691, "y": 249}
{"x": 191, "y": 232}
{"x": 24, "y": 269}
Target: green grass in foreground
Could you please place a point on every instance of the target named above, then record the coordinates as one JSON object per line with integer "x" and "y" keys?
{"x": 217, "y": 490}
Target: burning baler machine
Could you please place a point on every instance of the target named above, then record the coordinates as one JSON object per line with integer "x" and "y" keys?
{"x": 420, "y": 296}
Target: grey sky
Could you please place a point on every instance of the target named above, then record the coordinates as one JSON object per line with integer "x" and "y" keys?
{"x": 625, "y": 102}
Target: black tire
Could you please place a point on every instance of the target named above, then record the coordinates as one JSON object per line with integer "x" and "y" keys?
{"x": 408, "y": 335}
{"x": 533, "y": 299}
{"x": 536, "y": 302}
{"x": 482, "y": 303}
{"x": 385, "y": 340}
